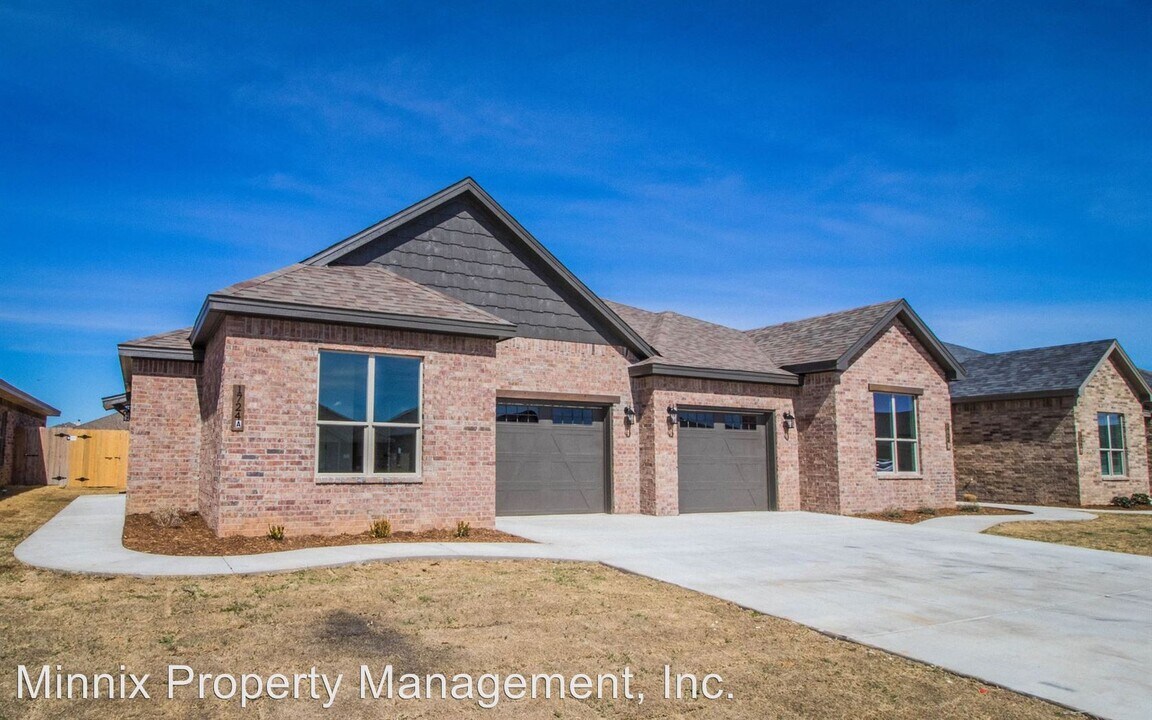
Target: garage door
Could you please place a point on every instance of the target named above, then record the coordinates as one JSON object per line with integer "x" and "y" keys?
{"x": 724, "y": 462}
{"x": 550, "y": 459}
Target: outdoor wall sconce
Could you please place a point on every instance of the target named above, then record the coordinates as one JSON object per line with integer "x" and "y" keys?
{"x": 629, "y": 415}
{"x": 672, "y": 415}
{"x": 789, "y": 421}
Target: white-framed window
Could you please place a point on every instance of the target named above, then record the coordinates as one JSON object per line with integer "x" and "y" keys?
{"x": 897, "y": 439}
{"x": 1113, "y": 462}
{"x": 368, "y": 414}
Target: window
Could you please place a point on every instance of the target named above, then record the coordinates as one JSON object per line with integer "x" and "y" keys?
{"x": 1111, "y": 444}
{"x": 368, "y": 414}
{"x": 696, "y": 420}
{"x": 739, "y": 422}
{"x": 517, "y": 413}
{"x": 896, "y": 437}
{"x": 571, "y": 416}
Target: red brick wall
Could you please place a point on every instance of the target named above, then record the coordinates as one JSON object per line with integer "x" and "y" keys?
{"x": 549, "y": 366}
{"x": 1017, "y": 451}
{"x": 1108, "y": 391}
{"x": 164, "y": 436}
{"x": 13, "y": 416}
{"x": 659, "y": 483}
{"x": 819, "y": 444}
{"x": 267, "y": 472}
{"x": 894, "y": 358}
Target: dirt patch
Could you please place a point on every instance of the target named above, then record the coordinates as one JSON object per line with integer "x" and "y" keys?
{"x": 194, "y": 537}
{"x": 452, "y": 616}
{"x": 1115, "y": 532}
{"x": 914, "y": 516}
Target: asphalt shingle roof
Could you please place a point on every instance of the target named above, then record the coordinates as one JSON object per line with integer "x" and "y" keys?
{"x": 820, "y": 339}
{"x": 1054, "y": 369}
{"x": 690, "y": 342}
{"x": 964, "y": 354}
{"x": 364, "y": 288}
{"x": 171, "y": 340}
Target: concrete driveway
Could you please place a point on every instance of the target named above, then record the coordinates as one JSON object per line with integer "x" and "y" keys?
{"x": 1062, "y": 623}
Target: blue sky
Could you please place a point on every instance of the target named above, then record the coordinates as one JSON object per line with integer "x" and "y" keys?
{"x": 747, "y": 163}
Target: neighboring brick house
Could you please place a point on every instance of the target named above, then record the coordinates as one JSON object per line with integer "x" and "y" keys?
{"x": 20, "y": 417}
{"x": 442, "y": 365}
{"x": 1060, "y": 425}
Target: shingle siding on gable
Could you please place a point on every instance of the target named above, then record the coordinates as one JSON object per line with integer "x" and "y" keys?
{"x": 461, "y": 251}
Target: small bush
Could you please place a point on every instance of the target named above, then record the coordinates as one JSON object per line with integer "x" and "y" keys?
{"x": 1141, "y": 499}
{"x": 969, "y": 507}
{"x": 167, "y": 517}
{"x": 463, "y": 529}
{"x": 276, "y": 532}
{"x": 381, "y": 529}
{"x": 926, "y": 510}
{"x": 893, "y": 513}
{"x": 969, "y": 497}
{"x": 1123, "y": 501}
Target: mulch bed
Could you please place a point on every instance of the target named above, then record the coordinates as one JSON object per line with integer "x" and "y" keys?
{"x": 1134, "y": 508}
{"x": 195, "y": 538}
{"x": 915, "y": 516}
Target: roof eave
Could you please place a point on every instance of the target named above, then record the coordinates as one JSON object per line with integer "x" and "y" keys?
{"x": 687, "y": 371}
{"x": 216, "y": 307}
{"x": 113, "y": 402}
{"x": 15, "y": 395}
{"x": 635, "y": 342}
{"x": 1063, "y": 392}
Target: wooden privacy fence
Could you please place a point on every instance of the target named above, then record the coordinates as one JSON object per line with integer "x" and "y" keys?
{"x": 73, "y": 457}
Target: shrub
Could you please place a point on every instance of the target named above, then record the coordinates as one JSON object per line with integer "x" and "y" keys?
{"x": 167, "y": 517}
{"x": 276, "y": 532}
{"x": 1122, "y": 501}
{"x": 893, "y": 513}
{"x": 1141, "y": 499}
{"x": 381, "y": 529}
{"x": 969, "y": 507}
{"x": 463, "y": 529}
{"x": 926, "y": 510}
{"x": 969, "y": 497}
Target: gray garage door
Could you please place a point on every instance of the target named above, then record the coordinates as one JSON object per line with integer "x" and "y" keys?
{"x": 725, "y": 461}
{"x": 550, "y": 459}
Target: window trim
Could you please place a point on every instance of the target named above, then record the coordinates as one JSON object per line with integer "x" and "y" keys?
{"x": 370, "y": 426}
{"x": 1123, "y": 449}
{"x": 894, "y": 440}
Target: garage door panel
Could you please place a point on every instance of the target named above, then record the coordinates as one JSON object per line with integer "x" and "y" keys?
{"x": 546, "y": 467}
{"x": 723, "y": 468}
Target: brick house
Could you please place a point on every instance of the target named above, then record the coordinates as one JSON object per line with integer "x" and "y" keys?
{"x": 20, "y": 417}
{"x": 442, "y": 365}
{"x": 1060, "y": 425}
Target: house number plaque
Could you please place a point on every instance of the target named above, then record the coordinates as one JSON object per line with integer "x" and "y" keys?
{"x": 237, "y": 408}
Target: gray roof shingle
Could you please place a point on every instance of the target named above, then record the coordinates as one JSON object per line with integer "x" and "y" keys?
{"x": 820, "y": 339}
{"x": 365, "y": 288}
{"x": 1057, "y": 369}
{"x": 689, "y": 342}
{"x": 964, "y": 354}
{"x": 170, "y": 340}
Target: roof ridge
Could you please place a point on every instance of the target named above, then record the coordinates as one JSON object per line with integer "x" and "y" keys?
{"x": 826, "y": 315}
{"x": 1051, "y": 347}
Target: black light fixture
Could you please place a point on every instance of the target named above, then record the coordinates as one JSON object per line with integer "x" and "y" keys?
{"x": 629, "y": 415}
{"x": 789, "y": 420}
{"x": 672, "y": 415}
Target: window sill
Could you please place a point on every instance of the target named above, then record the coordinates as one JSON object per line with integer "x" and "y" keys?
{"x": 369, "y": 480}
{"x": 899, "y": 476}
{"x": 1114, "y": 478}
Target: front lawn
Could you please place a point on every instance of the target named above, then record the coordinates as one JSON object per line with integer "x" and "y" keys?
{"x": 446, "y": 616}
{"x": 1119, "y": 533}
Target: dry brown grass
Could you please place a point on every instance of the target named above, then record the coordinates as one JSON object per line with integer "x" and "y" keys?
{"x": 449, "y": 616}
{"x": 1119, "y": 533}
{"x": 911, "y": 517}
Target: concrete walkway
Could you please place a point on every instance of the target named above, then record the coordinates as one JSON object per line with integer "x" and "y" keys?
{"x": 85, "y": 538}
{"x": 980, "y": 523}
{"x": 1063, "y": 623}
